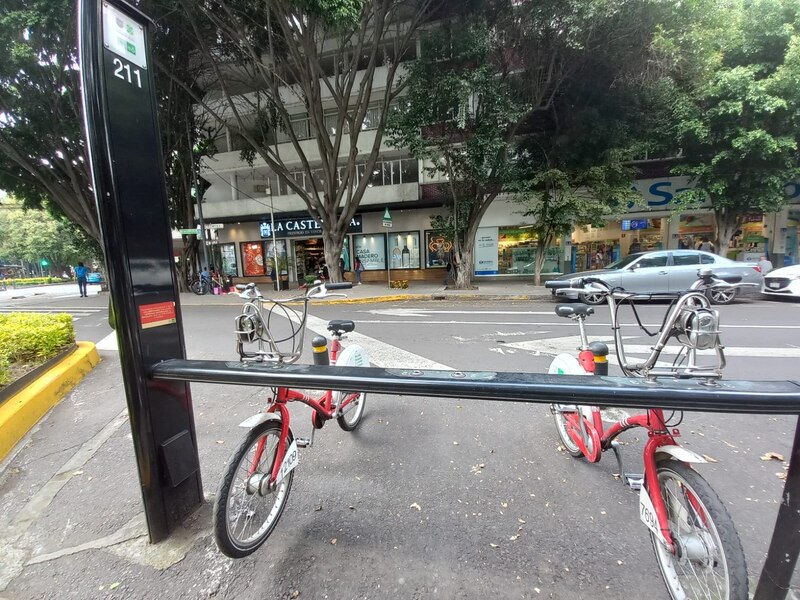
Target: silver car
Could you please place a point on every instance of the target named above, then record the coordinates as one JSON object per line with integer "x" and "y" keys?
{"x": 667, "y": 271}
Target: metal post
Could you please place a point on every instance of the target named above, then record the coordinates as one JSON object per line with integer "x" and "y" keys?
{"x": 275, "y": 244}
{"x": 784, "y": 549}
{"x": 124, "y": 147}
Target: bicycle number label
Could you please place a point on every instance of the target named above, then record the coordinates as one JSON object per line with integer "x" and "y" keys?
{"x": 290, "y": 461}
{"x": 647, "y": 512}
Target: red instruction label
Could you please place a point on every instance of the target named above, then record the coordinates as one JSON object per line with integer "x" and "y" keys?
{"x": 156, "y": 315}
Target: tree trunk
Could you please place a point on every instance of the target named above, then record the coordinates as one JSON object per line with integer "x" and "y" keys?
{"x": 464, "y": 264}
{"x": 332, "y": 243}
{"x": 542, "y": 244}
{"x": 726, "y": 222}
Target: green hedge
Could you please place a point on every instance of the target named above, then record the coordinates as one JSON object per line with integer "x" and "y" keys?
{"x": 35, "y": 281}
{"x": 31, "y": 337}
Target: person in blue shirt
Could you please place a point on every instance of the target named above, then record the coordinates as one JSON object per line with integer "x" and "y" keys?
{"x": 80, "y": 273}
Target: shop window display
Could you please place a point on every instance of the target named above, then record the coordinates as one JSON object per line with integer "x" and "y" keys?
{"x": 516, "y": 247}
{"x": 371, "y": 250}
{"x": 253, "y": 264}
{"x": 228, "y": 256}
{"x": 437, "y": 250}
{"x": 404, "y": 250}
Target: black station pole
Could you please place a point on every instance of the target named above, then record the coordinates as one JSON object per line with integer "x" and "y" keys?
{"x": 124, "y": 144}
{"x": 784, "y": 547}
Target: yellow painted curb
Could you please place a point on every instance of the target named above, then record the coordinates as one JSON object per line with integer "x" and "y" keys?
{"x": 24, "y": 409}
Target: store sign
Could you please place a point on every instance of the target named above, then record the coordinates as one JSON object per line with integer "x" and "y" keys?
{"x": 371, "y": 251}
{"x": 301, "y": 227}
{"x": 661, "y": 194}
{"x": 632, "y": 225}
{"x": 486, "y": 251}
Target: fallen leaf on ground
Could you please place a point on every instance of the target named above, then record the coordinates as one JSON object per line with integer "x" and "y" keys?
{"x": 494, "y": 545}
{"x": 220, "y": 441}
{"x": 521, "y": 520}
{"x": 782, "y": 475}
{"x": 318, "y": 508}
{"x": 772, "y": 456}
{"x": 513, "y": 537}
{"x": 295, "y": 594}
{"x": 114, "y": 585}
{"x": 415, "y": 505}
{"x": 710, "y": 459}
{"x": 504, "y": 504}
{"x": 333, "y": 541}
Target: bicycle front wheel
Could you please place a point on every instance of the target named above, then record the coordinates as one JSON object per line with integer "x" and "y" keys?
{"x": 709, "y": 561}
{"x": 195, "y": 286}
{"x": 244, "y": 512}
{"x": 562, "y": 428}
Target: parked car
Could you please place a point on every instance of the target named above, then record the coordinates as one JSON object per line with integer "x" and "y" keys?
{"x": 94, "y": 277}
{"x": 669, "y": 271}
{"x": 783, "y": 282}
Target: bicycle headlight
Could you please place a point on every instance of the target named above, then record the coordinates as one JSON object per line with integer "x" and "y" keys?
{"x": 699, "y": 328}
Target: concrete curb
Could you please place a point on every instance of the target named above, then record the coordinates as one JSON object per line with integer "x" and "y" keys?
{"x": 444, "y": 295}
{"x": 23, "y": 410}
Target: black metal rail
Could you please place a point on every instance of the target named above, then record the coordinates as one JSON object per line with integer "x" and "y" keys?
{"x": 753, "y": 397}
{"x": 756, "y": 397}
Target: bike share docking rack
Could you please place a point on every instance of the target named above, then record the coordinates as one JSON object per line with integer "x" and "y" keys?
{"x": 749, "y": 397}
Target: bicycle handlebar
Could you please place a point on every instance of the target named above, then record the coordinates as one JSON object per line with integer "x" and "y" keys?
{"x": 345, "y": 285}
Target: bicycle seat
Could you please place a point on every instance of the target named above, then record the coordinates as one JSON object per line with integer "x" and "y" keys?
{"x": 343, "y": 326}
{"x": 574, "y": 310}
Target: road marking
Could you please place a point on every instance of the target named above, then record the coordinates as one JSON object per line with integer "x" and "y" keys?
{"x": 416, "y": 312}
{"x": 108, "y": 343}
{"x": 564, "y": 323}
{"x": 553, "y": 346}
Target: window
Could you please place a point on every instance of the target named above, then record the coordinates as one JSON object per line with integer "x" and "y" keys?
{"x": 409, "y": 170}
{"x": 404, "y": 250}
{"x": 228, "y": 255}
{"x": 705, "y": 259}
{"x": 437, "y": 250}
{"x": 253, "y": 259}
{"x": 371, "y": 250}
{"x": 659, "y": 260}
{"x": 683, "y": 260}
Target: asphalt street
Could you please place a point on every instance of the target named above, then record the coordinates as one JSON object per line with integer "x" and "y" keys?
{"x": 430, "y": 498}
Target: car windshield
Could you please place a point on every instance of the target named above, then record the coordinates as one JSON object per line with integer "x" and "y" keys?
{"x": 624, "y": 262}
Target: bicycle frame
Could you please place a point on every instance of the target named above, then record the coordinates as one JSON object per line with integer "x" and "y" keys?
{"x": 322, "y": 406}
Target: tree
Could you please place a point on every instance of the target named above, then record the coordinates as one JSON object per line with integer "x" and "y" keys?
{"x": 42, "y": 154}
{"x": 488, "y": 82}
{"x": 732, "y": 107}
{"x": 269, "y": 58}
{"x": 33, "y": 235}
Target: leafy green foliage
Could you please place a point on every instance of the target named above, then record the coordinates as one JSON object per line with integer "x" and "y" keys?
{"x": 729, "y": 102}
{"x": 41, "y": 141}
{"x": 29, "y": 337}
{"x": 33, "y": 235}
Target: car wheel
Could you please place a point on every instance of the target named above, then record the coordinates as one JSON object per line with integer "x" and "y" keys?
{"x": 593, "y": 299}
{"x": 721, "y": 295}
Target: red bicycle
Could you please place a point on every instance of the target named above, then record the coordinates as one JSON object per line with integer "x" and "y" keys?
{"x": 258, "y": 477}
{"x": 695, "y": 541}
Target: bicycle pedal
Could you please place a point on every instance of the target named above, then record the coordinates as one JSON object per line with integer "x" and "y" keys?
{"x": 634, "y": 481}
{"x": 303, "y": 442}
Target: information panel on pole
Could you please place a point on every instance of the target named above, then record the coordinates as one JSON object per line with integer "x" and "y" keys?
{"x": 124, "y": 142}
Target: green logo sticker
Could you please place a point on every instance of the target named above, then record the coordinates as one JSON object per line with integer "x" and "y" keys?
{"x": 129, "y": 29}
{"x": 130, "y": 47}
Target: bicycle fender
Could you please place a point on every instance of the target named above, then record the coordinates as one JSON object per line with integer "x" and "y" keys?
{"x": 678, "y": 453}
{"x": 353, "y": 356}
{"x": 251, "y": 422}
{"x": 566, "y": 364}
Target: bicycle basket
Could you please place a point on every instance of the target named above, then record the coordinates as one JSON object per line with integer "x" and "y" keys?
{"x": 270, "y": 331}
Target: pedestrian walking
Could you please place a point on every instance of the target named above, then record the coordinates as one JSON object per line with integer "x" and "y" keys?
{"x": 705, "y": 245}
{"x": 765, "y": 265}
{"x": 80, "y": 273}
{"x": 358, "y": 267}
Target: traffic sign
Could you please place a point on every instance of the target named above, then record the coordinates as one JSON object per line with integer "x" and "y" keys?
{"x": 188, "y": 231}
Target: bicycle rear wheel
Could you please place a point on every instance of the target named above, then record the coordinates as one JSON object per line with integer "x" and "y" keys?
{"x": 354, "y": 411}
{"x": 709, "y": 562}
{"x": 560, "y": 417}
{"x": 245, "y": 515}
